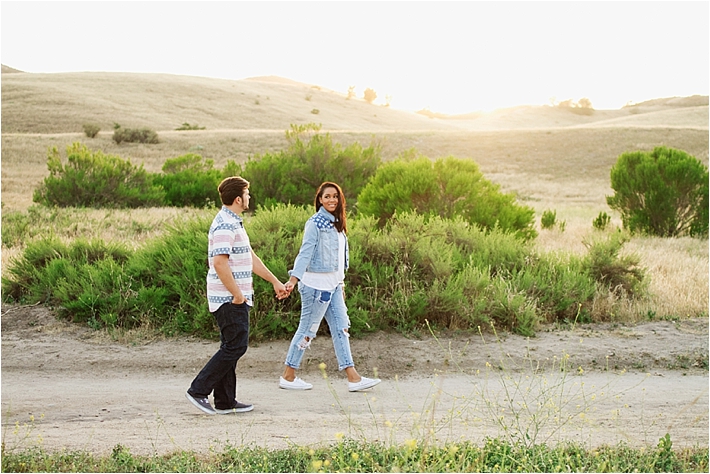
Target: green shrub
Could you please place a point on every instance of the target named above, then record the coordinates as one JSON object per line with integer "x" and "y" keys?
{"x": 602, "y": 221}
{"x": 16, "y": 227}
{"x": 93, "y": 179}
{"x": 293, "y": 175}
{"x": 187, "y": 126}
{"x": 455, "y": 275}
{"x": 548, "y": 219}
{"x": 414, "y": 271}
{"x": 663, "y": 193}
{"x": 77, "y": 276}
{"x": 91, "y": 130}
{"x": 231, "y": 169}
{"x": 190, "y": 180}
{"x": 134, "y": 135}
{"x": 612, "y": 270}
{"x": 177, "y": 264}
{"x": 448, "y": 187}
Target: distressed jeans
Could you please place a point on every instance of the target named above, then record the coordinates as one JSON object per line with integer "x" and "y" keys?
{"x": 219, "y": 375}
{"x": 315, "y": 305}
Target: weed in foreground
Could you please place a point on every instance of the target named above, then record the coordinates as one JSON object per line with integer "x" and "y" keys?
{"x": 348, "y": 455}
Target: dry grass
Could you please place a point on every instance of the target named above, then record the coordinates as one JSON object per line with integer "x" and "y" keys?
{"x": 553, "y": 159}
{"x": 679, "y": 276}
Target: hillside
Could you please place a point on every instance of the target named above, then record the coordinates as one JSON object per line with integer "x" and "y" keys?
{"x": 545, "y": 154}
{"x": 64, "y": 102}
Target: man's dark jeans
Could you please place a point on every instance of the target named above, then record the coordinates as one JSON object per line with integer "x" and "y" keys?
{"x": 219, "y": 373}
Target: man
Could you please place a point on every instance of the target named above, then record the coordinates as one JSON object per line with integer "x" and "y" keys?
{"x": 230, "y": 295}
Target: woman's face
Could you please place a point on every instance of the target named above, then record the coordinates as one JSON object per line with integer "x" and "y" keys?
{"x": 329, "y": 199}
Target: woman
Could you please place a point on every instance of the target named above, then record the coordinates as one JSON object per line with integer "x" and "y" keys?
{"x": 319, "y": 270}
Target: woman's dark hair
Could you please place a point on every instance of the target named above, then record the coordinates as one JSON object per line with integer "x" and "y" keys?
{"x": 339, "y": 213}
{"x": 231, "y": 188}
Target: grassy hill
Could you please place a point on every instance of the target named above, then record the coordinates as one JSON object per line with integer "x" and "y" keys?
{"x": 548, "y": 155}
{"x": 61, "y": 103}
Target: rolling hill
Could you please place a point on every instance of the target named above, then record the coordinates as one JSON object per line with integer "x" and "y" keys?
{"x": 544, "y": 154}
{"x": 63, "y": 102}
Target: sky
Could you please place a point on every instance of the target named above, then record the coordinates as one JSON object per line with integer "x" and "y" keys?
{"x": 448, "y": 57}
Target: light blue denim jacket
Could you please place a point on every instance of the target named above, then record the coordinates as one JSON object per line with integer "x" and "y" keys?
{"x": 319, "y": 249}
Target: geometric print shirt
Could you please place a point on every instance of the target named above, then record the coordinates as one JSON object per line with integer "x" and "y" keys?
{"x": 228, "y": 237}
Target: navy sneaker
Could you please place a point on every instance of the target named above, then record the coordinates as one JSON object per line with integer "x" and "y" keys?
{"x": 237, "y": 408}
{"x": 201, "y": 403}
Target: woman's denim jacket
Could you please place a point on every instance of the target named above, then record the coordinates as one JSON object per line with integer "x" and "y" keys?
{"x": 319, "y": 250}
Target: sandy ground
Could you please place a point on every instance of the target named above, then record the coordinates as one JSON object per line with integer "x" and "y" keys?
{"x": 65, "y": 386}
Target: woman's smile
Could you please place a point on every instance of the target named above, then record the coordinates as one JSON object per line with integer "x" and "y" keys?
{"x": 329, "y": 199}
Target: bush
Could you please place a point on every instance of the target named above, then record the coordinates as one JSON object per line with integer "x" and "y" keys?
{"x": 92, "y": 179}
{"x": 548, "y": 219}
{"x": 412, "y": 271}
{"x": 292, "y": 176}
{"x": 615, "y": 272}
{"x": 448, "y": 187}
{"x": 190, "y": 180}
{"x": 187, "y": 126}
{"x": 91, "y": 130}
{"x": 662, "y": 193}
{"x": 602, "y": 221}
{"x": 134, "y": 135}
{"x": 84, "y": 276}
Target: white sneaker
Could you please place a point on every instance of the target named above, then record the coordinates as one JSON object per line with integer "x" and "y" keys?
{"x": 363, "y": 384}
{"x": 297, "y": 384}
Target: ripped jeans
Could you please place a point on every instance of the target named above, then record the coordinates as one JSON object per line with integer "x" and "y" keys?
{"x": 316, "y": 304}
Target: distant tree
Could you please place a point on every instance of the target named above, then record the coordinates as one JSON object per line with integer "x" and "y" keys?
{"x": 351, "y": 93}
{"x": 388, "y": 100}
{"x": 581, "y": 107}
{"x": 585, "y": 103}
{"x": 369, "y": 95}
{"x": 663, "y": 193}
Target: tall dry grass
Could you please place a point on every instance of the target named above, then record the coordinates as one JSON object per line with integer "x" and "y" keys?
{"x": 677, "y": 269}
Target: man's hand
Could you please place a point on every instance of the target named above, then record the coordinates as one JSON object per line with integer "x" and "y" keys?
{"x": 281, "y": 291}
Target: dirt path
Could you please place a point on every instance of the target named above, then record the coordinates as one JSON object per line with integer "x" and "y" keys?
{"x": 86, "y": 392}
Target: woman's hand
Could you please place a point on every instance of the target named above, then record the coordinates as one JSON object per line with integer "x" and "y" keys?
{"x": 281, "y": 291}
{"x": 291, "y": 284}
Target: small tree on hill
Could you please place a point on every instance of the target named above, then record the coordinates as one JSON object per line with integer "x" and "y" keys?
{"x": 369, "y": 95}
{"x": 663, "y": 193}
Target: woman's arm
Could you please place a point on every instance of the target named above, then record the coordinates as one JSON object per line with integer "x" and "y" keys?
{"x": 305, "y": 254}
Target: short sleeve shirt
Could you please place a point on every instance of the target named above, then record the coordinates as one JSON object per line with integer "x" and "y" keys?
{"x": 227, "y": 236}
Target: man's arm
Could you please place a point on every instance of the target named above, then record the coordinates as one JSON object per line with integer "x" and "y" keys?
{"x": 221, "y": 266}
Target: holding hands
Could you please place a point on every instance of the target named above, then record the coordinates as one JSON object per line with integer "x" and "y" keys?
{"x": 291, "y": 284}
{"x": 281, "y": 290}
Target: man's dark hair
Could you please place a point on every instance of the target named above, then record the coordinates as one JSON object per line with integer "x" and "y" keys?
{"x": 231, "y": 188}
